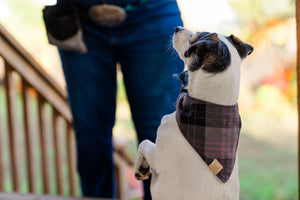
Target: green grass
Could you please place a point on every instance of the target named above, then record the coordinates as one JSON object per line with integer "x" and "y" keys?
{"x": 266, "y": 171}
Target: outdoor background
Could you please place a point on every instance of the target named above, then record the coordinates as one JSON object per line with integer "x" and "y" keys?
{"x": 268, "y": 142}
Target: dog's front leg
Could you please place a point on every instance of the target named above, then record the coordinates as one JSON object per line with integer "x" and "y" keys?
{"x": 145, "y": 160}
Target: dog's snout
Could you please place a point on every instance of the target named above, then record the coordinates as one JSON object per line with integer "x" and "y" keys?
{"x": 178, "y": 28}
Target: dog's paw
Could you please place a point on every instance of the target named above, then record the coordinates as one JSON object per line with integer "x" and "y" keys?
{"x": 142, "y": 173}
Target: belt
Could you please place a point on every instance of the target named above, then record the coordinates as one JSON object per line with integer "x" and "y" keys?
{"x": 109, "y": 15}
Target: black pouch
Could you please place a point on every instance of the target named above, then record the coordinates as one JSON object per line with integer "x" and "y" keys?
{"x": 63, "y": 27}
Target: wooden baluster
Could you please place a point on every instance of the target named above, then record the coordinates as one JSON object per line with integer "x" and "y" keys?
{"x": 71, "y": 159}
{"x": 44, "y": 145}
{"x": 31, "y": 171}
{"x": 58, "y": 153}
{"x": 10, "y": 99}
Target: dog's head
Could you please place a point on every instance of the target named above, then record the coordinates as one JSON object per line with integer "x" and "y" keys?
{"x": 207, "y": 50}
{"x": 207, "y": 54}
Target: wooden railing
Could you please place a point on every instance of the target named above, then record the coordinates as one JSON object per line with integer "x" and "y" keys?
{"x": 45, "y": 127}
{"x": 20, "y": 68}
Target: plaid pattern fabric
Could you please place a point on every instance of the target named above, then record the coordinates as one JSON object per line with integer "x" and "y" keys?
{"x": 212, "y": 130}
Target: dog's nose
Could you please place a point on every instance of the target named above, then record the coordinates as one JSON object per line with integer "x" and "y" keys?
{"x": 178, "y": 28}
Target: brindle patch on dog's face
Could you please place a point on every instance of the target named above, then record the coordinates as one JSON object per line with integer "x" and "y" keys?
{"x": 209, "y": 52}
{"x": 201, "y": 49}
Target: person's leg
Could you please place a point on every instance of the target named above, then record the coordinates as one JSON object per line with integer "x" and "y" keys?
{"x": 147, "y": 67}
{"x": 91, "y": 83}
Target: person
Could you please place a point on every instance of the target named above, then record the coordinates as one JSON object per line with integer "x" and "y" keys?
{"x": 142, "y": 45}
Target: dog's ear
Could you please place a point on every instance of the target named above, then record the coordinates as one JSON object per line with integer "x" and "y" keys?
{"x": 203, "y": 45}
{"x": 182, "y": 77}
{"x": 199, "y": 46}
{"x": 243, "y": 49}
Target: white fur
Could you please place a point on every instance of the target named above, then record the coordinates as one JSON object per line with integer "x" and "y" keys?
{"x": 178, "y": 172}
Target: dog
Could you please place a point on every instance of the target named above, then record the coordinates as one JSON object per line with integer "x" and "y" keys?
{"x": 206, "y": 167}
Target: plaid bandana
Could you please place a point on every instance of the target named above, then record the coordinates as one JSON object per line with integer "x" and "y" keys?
{"x": 212, "y": 130}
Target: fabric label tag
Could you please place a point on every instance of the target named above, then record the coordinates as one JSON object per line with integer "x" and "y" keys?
{"x": 215, "y": 166}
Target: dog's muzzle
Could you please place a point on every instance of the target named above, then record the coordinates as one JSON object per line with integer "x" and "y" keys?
{"x": 112, "y": 15}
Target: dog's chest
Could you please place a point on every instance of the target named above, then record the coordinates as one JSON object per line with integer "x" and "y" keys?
{"x": 212, "y": 130}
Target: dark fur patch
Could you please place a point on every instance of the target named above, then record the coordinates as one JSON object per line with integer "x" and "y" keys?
{"x": 222, "y": 60}
{"x": 212, "y": 54}
{"x": 143, "y": 170}
{"x": 243, "y": 49}
{"x": 137, "y": 176}
{"x": 198, "y": 36}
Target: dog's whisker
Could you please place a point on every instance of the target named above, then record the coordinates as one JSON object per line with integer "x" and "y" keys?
{"x": 171, "y": 50}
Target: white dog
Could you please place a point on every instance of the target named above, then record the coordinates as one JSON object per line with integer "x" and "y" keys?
{"x": 194, "y": 156}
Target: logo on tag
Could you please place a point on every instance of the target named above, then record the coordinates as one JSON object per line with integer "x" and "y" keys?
{"x": 215, "y": 166}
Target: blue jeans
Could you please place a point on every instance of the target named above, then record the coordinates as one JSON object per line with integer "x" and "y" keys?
{"x": 142, "y": 45}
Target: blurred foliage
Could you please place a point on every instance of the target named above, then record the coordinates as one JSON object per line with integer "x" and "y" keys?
{"x": 282, "y": 79}
{"x": 29, "y": 12}
{"x": 255, "y": 14}
{"x": 264, "y": 24}
{"x": 268, "y": 169}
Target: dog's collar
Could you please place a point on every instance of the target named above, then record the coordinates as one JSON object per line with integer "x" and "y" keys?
{"x": 212, "y": 130}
